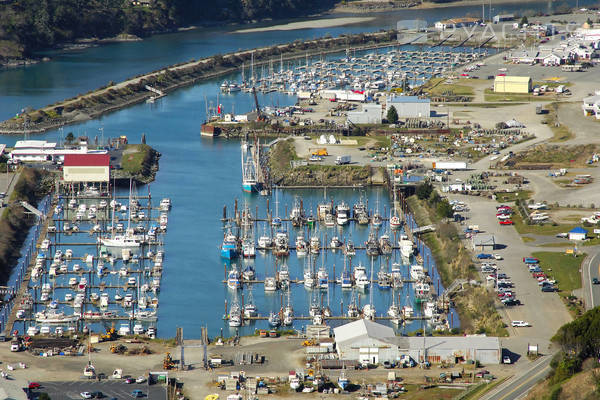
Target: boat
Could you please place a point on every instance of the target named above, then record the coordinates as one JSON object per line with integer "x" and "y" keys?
{"x": 250, "y": 168}
{"x": 353, "y": 311}
{"x": 309, "y": 276}
{"x": 250, "y": 309}
{"x": 54, "y": 317}
{"x": 394, "y": 311}
{"x": 284, "y": 276}
{"x": 342, "y": 213}
{"x": 372, "y": 245}
{"x": 249, "y": 273}
{"x": 343, "y": 381}
{"x": 325, "y": 208}
{"x": 233, "y": 279}
{"x": 274, "y": 319}
{"x": 417, "y": 272}
{"x": 407, "y": 311}
{"x": 329, "y": 220}
{"x": 297, "y": 213}
{"x": 422, "y": 290}
{"x": 368, "y": 311}
{"x": 406, "y": 248}
{"x": 288, "y": 312}
{"x": 346, "y": 279}
{"x": 295, "y": 383}
{"x": 248, "y": 249}
{"x": 350, "y": 250}
{"x": 281, "y": 244}
{"x": 265, "y": 241}
{"x": 315, "y": 244}
{"x": 235, "y": 315}
{"x": 165, "y": 204}
{"x": 396, "y": 275}
{"x": 229, "y": 247}
{"x": 360, "y": 277}
{"x": 385, "y": 245}
{"x": 301, "y": 246}
{"x": 323, "y": 278}
{"x": 384, "y": 280}
{"x": 335, "y": 243}
{"x": 138, "y": 329}
{"x": 270, "y": 284}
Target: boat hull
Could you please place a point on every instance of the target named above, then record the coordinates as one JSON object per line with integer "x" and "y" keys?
{"x": 251, "y": 187}
{"x": 228, "y": 253}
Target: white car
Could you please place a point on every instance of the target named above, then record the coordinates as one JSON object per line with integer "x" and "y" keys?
{"x": 86, "y": 395}
{"x": 537, "y": 206}
{"x": 498, "y": 257}
{"x": 140, "y": 379}
{"x": 520, "y": 324}
{"x": 506, "y": 360}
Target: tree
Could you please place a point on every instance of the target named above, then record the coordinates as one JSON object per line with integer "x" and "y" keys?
{"x": 392, "y": 115}
{"x": 524, "y": 20}
{"x": 70, "y": 137}
{"x": 43, "y": 396}
{"x": 444, "y": 209}
{"x": 424, "y": 190}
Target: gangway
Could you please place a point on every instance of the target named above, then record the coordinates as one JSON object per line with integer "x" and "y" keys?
{"x": 33, "y": 210}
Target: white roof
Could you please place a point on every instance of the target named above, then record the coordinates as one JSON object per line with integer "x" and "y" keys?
{"x": 450, "y": 343}
{"x": 361, "y": 328}
{"x": 37, "y": 144}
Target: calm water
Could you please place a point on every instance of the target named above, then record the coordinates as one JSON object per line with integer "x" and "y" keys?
{"x": 200, "y": 175}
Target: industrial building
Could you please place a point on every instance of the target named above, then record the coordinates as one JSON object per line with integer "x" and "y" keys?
{"x": 456, "y": 23}
{"x": 370, "y": 114}
{"x": 409, "y": 106}
{"x": 503, "y": 18}
{"x": 366, "y": 341}
{"x": 84, "y": 168}
{"x": 41, "y": 150}
{"x": 512, "y": 84}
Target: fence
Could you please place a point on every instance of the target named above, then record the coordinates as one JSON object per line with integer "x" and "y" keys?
{"x": 27, "y": 252}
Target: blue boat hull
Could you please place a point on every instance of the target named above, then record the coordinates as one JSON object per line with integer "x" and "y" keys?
{"x": 228, "y": 253}
{"x": 250, "y": 187}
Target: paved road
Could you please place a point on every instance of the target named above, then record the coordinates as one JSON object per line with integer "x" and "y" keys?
{"x": 110, "y": 389}
{"x": 590, "y": 270}
{"x": 518, "y": 386}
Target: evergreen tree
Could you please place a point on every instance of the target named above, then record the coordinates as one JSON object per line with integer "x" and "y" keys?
{"x": 392, "y": 115}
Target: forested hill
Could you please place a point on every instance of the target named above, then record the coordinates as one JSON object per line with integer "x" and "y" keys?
{"x": 29, "y": 25}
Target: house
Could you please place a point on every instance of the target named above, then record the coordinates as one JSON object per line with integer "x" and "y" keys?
{"x": 577, "y": 233}
{"x": 409, "y": 106}
{"x": 512, "y": 84}
{"x": 551, "y": 60}
{"x": 369, "y": 114}
{"x": 524, "y": 57}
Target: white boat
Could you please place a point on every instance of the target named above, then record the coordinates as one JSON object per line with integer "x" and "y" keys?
{"x": 368, "y": 311}
{"x": 270, "y": 284}
{"x": 45, "y": 245}
{"x": 233, "y": 279}
{"x": 323, "y": 278}
{"x": 301, "y": 246}
{"x": 407, "y": 311}
{"x": 265, "y": 242}
{"x": 33, "y": 330}
{"x": 335, "y": 243}
{"x": 422, "y": 290}
{"x": 124, "y": 330}
{"x": 329, "y": 220}
{"x": 54, "y": 317}
{"x": 284, "y": 276}
{"x": 406, "y": 248}
{"x": 342, "y": 213}
{"x": 360, "y": 277}
{"x": 417, "y": 272}
{"x": 295, "y": 383}
{"x": 315, "y": 244}
{"x": 138, "y": 329}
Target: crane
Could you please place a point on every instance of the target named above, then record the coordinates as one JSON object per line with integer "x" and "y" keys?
{"x": 259, "y": 116}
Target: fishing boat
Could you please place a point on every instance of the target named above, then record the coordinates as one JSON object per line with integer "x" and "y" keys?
{"x": 270, "y": 284}
{"x": 323, "y": 278}
{"x": 288, "y": 312}
{"x": 249, "y": 273}
{"x": 346, "y": 278}
{"x": 233, "y": 279}
{"x": 315, "y": 244}
{"x": 297, "y": 213}
{"x": 309, "y": 278}
{"x": 407, "y": 311}
{"x": 417, "y": 272}
{"x": 265, "y": 240}
{"x": 284, "y": 276}
{"x": 394, "y": 314}
{"x": 329, "y": 220}
{"x": 335, "y": 243}
{"x": 359, "y": 207}
{"x": 343, "y": 381}
{"x": 342, "y": 212}
{"x": 406, "y": 247}
{"x": 396, "y": 275}
{"x": 276, "y": 221}
{"x": 54, "y": 317}
{"x": 274, "y": 319}
{"x": 229, "y": 247}
{"x": 325, "y": 207}
{"x": 368, "y": 311}
{"x": 372, "y": 245}
{"x": 360, "y": 277}
{"x": 350, "y": 250}
{"x": 235, "y": 315}
{"x": 384, "y": 280}
{"x": 385, "y": 245}
{"x": 422, "y": 291}
{"x": 281, "y": 244}
{"x": 301, "y": 246}
{"x": 248, "y": 249}
{"x": 250, "y": 168}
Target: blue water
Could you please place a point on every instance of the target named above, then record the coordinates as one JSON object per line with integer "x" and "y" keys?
{"x": 200, "y": 175}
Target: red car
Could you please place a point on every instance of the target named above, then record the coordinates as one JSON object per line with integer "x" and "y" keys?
{"x": 505, "y": 222}
{"x": 129, "y": 380}
{"x": 539, "y": 275}
{"x": 34, "y": 385}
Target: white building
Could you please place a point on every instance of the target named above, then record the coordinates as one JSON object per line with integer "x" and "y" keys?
{"x": 86, "y": 168}
{"x": 41, "y": 150}
{"x": 409, "y": 106}
{"x": 577, "y": 233}
{"x": 369, "y": 342}
{"x": 369, "y": 114}
{"x": 591, "y": 106}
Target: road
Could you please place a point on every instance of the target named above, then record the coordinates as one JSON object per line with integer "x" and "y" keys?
{"x": 590, "y": 270}
{"x": 70, "y": 390}
{"x": 518, "y": 386}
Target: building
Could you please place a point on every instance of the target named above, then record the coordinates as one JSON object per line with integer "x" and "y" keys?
{"x": 409, "y": 106}
{"x": 483, "y": 241}
{"x": 365, "y": 341}
{"x": 456, "y": 23}
{"x": 524, "y": 57}
{"x": 86, "y": 168}
{"x": 503, "y": 18}
{"x": 591, "y": 106}
{"x": 370, "y": 114}
{"x": 512, "y": 84}
{"x": 577, "y": 233}
{"x": 41, "y": 150}
{"x": 369, "y": 342}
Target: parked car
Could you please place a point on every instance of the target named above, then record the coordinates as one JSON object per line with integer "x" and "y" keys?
{"x": 505, "y": 222}
{"x": 506, "y": 360}
{"x": 137, "y": 393}
{"x": 97, "y": 395}
{"x": 484, "y": 256}
{"x": 140, "y": 379}
{"x": 86, "y": 395}
{"x": 498, "y": 257}
{"x": 562, "y": 235}
{"x": 519, "y": 324}
{"x": 481, "y": 373}
{"x": 34, "y": 385}
{"x": 129, "y": 380}
{"x": 595, "y": 281}
{"x": 511, "y": 302}
{"x": 548, "y": 288}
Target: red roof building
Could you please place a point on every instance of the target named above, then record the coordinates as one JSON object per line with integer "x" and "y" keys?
{"x": 87, "y": 160}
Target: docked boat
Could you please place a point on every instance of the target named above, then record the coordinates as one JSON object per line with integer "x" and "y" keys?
{"x": 315, "y": 244}
{"x": 301, "y": 246}
{"x": 329, "y": 220}
{"x": 422, "y": 291}
{"x": 353, "y": 311}
{"x": 417, "y": 272}
{"x": 309, "y": 278}
{"x": 249, "y": 273}
{"x": 396, "y": 275}
{"x": 233, "y": 279}
{"x": 372, "y": 245}
{"x": 297, "y": 213}
{"x": 346, "y": 280}
{"x": 407, "y": 311}
{"x": 229, "y": 247}
{"x": 342, "y": 213}
{"x": 235, "y": 315}
{"x": 54, "y": 317}
{"x": 248, "y": 249}
{"x": 265, "y": 241}
{"x": 360, "y": 277}
{"x": 368, "y": 312}
{"x": 250, "y": 309}
{"x": 250, "y": 168}
{"x": 385, "y": 245}
{"x": 284, "y": 276}
{"x": 350, "y": 250}
{"x": 323, "y": 278}
{"x": 270, "y": 284}
{"x": 282, "y": 248}
{"x": 394, "y": 314}
{"x": 384, "y": 280}
{"x": 274, "y": 319}
{"x": 335, "y": 243}
{"x": 406, "y": 248}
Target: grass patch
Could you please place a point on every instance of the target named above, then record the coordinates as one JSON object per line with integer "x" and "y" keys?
{"x": 562, "y": 267}
{"x": 555, "y": 156}
{"x": 478, "y": 391}
{"x": 527, "y": 239}
{"x": 134, "y": 157}
{"x": 546, "y": 229}
{"x": 503, "y": 197}
{"x": 438, "y": 87}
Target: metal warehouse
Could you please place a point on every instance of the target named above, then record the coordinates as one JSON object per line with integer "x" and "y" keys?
{"x": 366, "y": 341}
{"x": 370, "y": 114}
{"x": 409, "y": 106}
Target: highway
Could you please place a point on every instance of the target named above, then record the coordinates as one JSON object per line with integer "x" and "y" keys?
{"x": 518, "y": 386}
{"x": 590, "y": 270}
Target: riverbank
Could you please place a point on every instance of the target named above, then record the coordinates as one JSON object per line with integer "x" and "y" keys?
{"x": 114, "y": 97}
{"x": 381, "y": 6}
{"x": 310, "y": 24}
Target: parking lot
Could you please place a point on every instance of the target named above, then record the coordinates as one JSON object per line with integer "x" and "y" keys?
{"x": 72, "y": 390}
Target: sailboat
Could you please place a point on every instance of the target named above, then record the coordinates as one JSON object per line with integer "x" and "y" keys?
{"x": 395, "y": 221}
{"x": 250, "y": 167}
{"x": 369, "y": 309}
{"x": 235, "y": 314}
{"x": 276, "y": 220}
{"x": 346, "y": 279}
{"x": 128, "y": 239}
{"x": 394, "y": 311}
{"x": 288, "y": 312}
{"x": 250, "y": 309}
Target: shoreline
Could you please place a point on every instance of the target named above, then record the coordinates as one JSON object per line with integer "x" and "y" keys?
{"x": 309, "y": 24}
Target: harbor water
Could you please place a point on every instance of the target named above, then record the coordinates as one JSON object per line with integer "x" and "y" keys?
{"x": 199, "y": 174}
